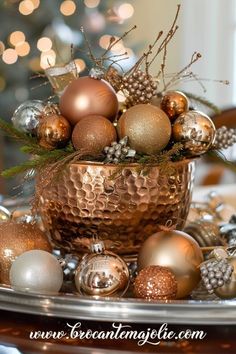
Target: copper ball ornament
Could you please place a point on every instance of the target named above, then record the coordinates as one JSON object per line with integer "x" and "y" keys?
{"x": 228, "y": 291}
{"x": 177, "y": 251}
{"x": 54, "y": 131}
{"x": 17, "y": 238}
{"x": 196, "y": 131}
{"x": 93, "y": 133}
{"x": 147, "y": 127}
{"x": 155, "y": 283}
{"x": 86, "y": 96}
{"x": 174, "y": 103}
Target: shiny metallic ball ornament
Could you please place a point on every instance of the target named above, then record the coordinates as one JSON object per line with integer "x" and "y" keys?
{"x": 36, "y": 271}
{"x": 155, "y": 283}
{"x": 5, "y": 214}
{"x": 54, "y": 131}
{"x": 179, "y": 252}
{"x": 195, "y": 131}
{"x": 174, "y": 103}
{"x": 27, "y": 116}
{"x": 102, "y": 274}
{"x": 228, "y": 291}
{"x": 148, "y": 128}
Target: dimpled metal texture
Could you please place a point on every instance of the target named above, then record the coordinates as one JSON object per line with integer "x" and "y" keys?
{"x": 122, "y": 210}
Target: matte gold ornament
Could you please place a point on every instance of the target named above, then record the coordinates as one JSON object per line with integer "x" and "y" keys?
{"x": 155, "y": 283}
{"x": 195, "y": 131}
{"x": 101, "y": 273}
{"x": 228, "y": 291}
{"x": 93, "y": 133}
{"x": 147, "y": 127}
{"x": 54, "y": 131}
{"x": 174, "y": 103}
{"x": 177, "y": 251}
{"x": 15, "y": 239}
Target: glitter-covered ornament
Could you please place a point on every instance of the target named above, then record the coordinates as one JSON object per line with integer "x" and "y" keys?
{"x": 155, "y": 283}
{"x": 101, "y": 273}
{"x": 27, "y": 116}
{"x": 225, "y": 137}
{"x": 118, "y": 151}
{"x": 174, "y": 103}
{"x": 195, "y": 131}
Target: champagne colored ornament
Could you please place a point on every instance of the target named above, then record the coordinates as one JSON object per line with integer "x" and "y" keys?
{"x": 102, "y": 273}
{"x": 61, "y": 76}
{"x": 16, "y": 238}
{"x": 86, "y": 96}
{"x": 27, "y": 116}
{"x": 54, "y": 131}
{"x": 195, "y": 131}
{"x": 93, "y": 133}
{"x": 228, "y": 290}
{"x": 36, "y": 271}
{"x": 174, "y": 103}
{"x": 177, "y": 251}
{"x": 4, "y": 214}
{"x": 147, "y": 127}
{"x": 155, "y": 283}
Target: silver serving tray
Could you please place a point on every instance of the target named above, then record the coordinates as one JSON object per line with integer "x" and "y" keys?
{"x": 119, "y": 310}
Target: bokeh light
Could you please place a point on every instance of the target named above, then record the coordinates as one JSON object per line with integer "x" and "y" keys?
{"x": 2, "y": 47}
{"x": 23, "y": 49}
{"x": 80, "y": 65}
{"x": 104, "y": 41}
{"x": 68, "y": 8}
{"x": 48, "y": 59}
{"x": 91, "y": 3}
{"x": 9, "y": 56}
{"x": 26, "y": 7}
{"x": 44, "y": 44}
{"x": 17, "y": 38}
{"x": 35, "y": 3}
{"x": 125, "y": 11}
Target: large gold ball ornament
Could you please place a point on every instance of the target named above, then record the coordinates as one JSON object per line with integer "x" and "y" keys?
{"x": 93, "y": 133}
{"x": 174, "y": 103}
{"x": 54, "y": 131}
{"x": 177, "y": 251}
{"x": 195, "y": 130}
{"x": 228, "y": 291}
{"x": 155, "y": 283}
{"x": 86, "y": 96}
{"x": 147, "y": 127}
{"x": 15, "y": 239}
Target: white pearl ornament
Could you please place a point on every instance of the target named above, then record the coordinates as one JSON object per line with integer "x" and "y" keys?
{"x": 36, "y": 271}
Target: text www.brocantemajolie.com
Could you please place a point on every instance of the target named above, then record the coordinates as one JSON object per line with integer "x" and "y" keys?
{"x": 119, "y": 331}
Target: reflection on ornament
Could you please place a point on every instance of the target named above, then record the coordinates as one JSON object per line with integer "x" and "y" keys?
{"x": 177, "y": 251}
{"x": 86, "y": 96}
{"x": 147, "y": 127}
{"x": 4, "y": 214}
{"x": 61, "y": 76}
{"x": 15, "y": 239}
{"x": 228, "y": 290}
{"x": 174, "y": 103}
{"x": 195, "y": 131}
{"x": 155, "y": 283}
{"x": 205, "y": 232}
{"x": 36, "y": 271}
{"x": 102, "y": 273}
{"x": 27, "y": 116}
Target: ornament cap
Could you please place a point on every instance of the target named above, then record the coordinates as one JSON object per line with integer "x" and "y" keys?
{"x": 97, "y": 247}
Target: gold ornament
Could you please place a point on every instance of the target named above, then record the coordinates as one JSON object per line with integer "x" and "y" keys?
{"x": 15, "y": 239}
{"x": 177, "y": 251}
{"x": 195, "y": 131}
{"x": 147, "y": 127}
{"x": 155, "y": 283}
{"x": 174, "y": 103}
{"x": 53, "y": 131}
{"x": 228, "y": 291}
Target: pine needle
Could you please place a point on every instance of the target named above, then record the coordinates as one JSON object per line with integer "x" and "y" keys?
{"x": 203, "y": 101}
{"x": 16, "y": 134}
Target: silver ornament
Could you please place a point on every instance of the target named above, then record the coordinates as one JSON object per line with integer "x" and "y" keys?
{"x": 195, "y": 131}
{"x": 36, "y": 271}
{"x": 102, "y": 273}
{"x": 26, "y": 116}
{"x": 96, "y": 73}
{"x": 5, "y": 214}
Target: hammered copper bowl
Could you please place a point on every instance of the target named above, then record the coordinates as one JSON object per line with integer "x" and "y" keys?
{"x": 122, "y": 206}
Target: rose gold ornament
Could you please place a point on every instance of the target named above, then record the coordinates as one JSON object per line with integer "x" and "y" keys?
{"x": 86, "y": 96}
{"x": 93, "y": 133}
{"x": 177, "y": 251}
{"x": 53, "y": 131}
{"x": 228, "y": 291}
{"x": 147, "y": 127}
{"x": 155, "y": 283}
{"x": 15, "y": 239}
{"x": 174, "y": 103}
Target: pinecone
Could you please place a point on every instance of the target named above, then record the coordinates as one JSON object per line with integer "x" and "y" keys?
{"x": 224, "y": 138}
{"x": 114, "y": 78}
{"x": 140, "y": 87}
{"x": 118, "y": 152}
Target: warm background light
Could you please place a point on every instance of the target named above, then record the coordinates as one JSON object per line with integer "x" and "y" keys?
{"x": 125, "y": 11}
{"x": 44, "y": 44}
{"x": 23, "y": 49}
{"x": 104, "y": 41}
{"x": 68, "y": 8}
{"x": 91, "y": 3}
{"x": 35, "y": 3}
{"x": 9, "y": 56}
{"x": 2, "y": 47}
{"x": 80, "y": 65}
{"x": 17, "y": 38}
{"x": 26, "y": 7}
{"x": 48, "y": 59}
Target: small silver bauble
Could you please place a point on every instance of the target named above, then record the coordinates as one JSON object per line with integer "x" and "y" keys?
{"x": 195, "y": 131}
{"x": 26, "y": 116}
{"x": 102, "y": 273}
{"x": 5, "y": 214}
{"x": 36, "y": 271}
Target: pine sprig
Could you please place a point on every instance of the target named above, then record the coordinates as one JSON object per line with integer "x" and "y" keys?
{"x": 14, "y": 133}
{"x": 203, "y": 101}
